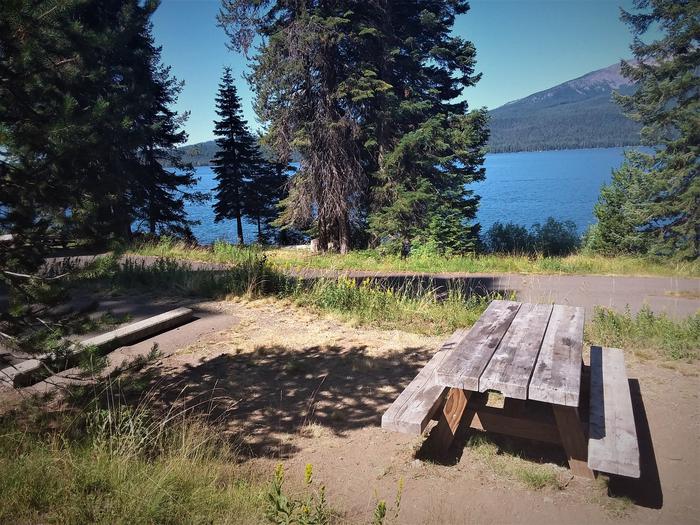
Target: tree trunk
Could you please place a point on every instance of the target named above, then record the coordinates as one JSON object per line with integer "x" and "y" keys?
{"x": 343, "y": 234}
{"x": 239, "y": 229}
{"x": 260, "y": 238}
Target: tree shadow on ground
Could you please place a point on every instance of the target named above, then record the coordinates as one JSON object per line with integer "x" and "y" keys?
{"x": 262, "y": 397}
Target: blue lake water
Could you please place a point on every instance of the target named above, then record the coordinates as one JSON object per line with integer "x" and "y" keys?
{"x": 523, "y": 188}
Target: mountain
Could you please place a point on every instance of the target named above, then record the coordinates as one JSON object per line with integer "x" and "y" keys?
{"x": 199, "y": 154}
{"x": 579, "y": 113}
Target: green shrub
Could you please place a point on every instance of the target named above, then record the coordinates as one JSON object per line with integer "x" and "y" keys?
{"x": 553, "y": 238}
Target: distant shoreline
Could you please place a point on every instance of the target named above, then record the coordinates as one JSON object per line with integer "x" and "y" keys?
{"x": 196, "y": 165}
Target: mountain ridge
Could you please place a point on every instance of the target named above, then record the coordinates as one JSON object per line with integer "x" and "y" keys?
{"x": 578, "y": 113}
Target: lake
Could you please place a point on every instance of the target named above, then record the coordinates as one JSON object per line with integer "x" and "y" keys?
{"x": 523, "y": 188}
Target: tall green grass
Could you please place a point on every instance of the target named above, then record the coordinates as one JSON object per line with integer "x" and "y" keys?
{"x": 577, "y": 264}
{"x": 123, "y": 465}
{"x": 646, "y": 333}
{"x": 421, "y": 309}
{"x": 425, "y": 261}
{"x": 248, "y": 274}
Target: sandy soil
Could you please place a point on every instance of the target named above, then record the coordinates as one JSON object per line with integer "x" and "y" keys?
{"x": 295, "y": 387}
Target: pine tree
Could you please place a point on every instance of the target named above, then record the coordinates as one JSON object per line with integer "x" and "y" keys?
{"x": 364, "y": 91}
{"x": 237, "y": 161}
{"x": 263, "y": 195}
{"x": 428, "y": 146}
{"x": 652, "y": 204}
{"x": 162, "y": 184}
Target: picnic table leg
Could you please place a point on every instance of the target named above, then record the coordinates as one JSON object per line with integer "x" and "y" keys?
{"x": 573, "y": 440}
{"x": 444, "y": 433}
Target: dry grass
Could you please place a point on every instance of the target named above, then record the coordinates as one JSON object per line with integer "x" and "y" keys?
{"x": 510, "y": 465}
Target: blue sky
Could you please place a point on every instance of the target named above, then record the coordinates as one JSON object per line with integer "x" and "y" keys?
{"x": 523, "y": 46}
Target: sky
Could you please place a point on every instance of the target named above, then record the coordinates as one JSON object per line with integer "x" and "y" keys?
{"x": 523, "y": 46}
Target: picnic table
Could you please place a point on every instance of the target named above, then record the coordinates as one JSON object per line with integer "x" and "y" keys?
{"x": 531, "y": 354}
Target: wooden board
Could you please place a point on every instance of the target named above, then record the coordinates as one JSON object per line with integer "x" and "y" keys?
{"x": 572, "y": 439}
{"x": 463, "y": 367}
{"x": 612, "y": 440}
{"x": 500, "y": 422}
{"x": 35, "y": 369}
{"x": 415, "y": 406}
{"x": 557, "y": 375}
{"x": 511, "y": 365}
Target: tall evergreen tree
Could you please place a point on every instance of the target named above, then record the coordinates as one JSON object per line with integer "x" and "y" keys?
{"x": 163, "y": 182}
{"x": 652, "y": 204}
{"x": 364, "y": 91}
{"x": 85, "y": 116}
{"x": 266, "y": 190}
{"x": 238, "y": 159}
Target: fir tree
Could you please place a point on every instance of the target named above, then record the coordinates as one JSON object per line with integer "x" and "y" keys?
{"x": 237, "y": 161}
{"x": 652, "y": 204}
{"x": 162, "y": 184}
{"x": 364, "y": 91}
{"x": 428, "y": 147}
{"x": 266, "y": 190}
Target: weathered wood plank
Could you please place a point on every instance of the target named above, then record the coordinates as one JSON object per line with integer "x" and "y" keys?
{"x": 35, "y": 369}
{"x": 572, "y": 439}
{"x": 511, "y": 365}
{"x": 557, "y": 375}
{"x": 462, "y": 368}
{"x": 612, "y": 440}
{"x": 500, "y": 422}
{"x": 415, "y": 406}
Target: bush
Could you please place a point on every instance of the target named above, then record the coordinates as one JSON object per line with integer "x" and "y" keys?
{"x": 508, "y": 238}
{"x": 551, "y": 238}
{"x": 555, "y": 237}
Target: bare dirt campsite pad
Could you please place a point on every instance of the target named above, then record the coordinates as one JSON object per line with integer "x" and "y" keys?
{"x": 296, "y": 387}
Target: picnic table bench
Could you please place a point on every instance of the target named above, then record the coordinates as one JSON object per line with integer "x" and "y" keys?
{"x": 532, "y": 355}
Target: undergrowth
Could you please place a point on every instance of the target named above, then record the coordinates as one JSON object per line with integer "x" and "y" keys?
{"x": 122, "y": 465}
{"x": 646, "y": 334}
{"x": 425, "y": 261}
{"x": 411, "y": 306}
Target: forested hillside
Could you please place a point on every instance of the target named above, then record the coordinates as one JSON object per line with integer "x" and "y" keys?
{"x": 580, "y": 113}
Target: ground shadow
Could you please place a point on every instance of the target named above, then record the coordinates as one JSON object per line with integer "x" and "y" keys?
{"x": 645, "y": 491}
{"x": 528, "y": 449}
{"x": 260, "y": 398}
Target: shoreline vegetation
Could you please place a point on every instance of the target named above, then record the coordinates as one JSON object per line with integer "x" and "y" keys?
{"x": 372, "y": 260}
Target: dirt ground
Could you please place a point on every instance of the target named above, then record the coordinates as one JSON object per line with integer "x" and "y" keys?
{"x": 299, "y": 388}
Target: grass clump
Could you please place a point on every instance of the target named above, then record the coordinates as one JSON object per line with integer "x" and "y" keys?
{"x": 508, "y": 464}
{"x": 421, "y": 309}
{"x": 250, "y": 275}
{"x": 646, "y": 333}
{"x": 123, "y": 467}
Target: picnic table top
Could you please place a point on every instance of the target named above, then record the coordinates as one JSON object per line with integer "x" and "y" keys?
{"x": 523, "y": 350}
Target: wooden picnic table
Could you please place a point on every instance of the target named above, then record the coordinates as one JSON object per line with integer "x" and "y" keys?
{"x": 532, "y": 355}
{"x": 526, "y": 352}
